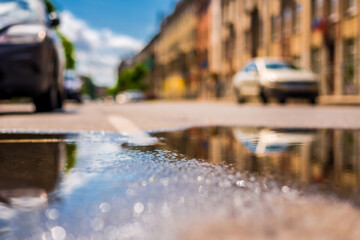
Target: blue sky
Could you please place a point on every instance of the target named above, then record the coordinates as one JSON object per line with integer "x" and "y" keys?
{"x": 136, "y": 18}
{"x": 104, "y": 32}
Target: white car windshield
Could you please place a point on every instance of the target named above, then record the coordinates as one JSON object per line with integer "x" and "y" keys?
{"x": 278, "y": 65}
{"x": 19, "y": 10}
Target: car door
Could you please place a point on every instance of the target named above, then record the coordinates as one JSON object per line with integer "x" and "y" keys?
{"x": 250, "y": 80}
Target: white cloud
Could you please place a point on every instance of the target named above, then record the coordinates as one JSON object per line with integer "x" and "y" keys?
{"x": 98, "y": 52}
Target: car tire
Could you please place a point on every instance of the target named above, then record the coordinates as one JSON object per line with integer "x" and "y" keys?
{"x": 48, "y": 101}
{"x": 61, "y": 99}
{"x": 264, "y": 99}
{"x": 312, "y": 100}
{"x": 239, "y": 98}
{"x": 52, "y": 99}
{"x": 78, "y": 99}
{"x": 282, "y": 100}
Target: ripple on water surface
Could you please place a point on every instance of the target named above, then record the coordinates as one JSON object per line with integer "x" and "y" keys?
{"x": 199, "y": 183}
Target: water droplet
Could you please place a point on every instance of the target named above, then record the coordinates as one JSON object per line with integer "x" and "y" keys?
{"x": 139, "y": 208}
{"x": 97, "y": 224}
{"x": 58, "y": 233}
{"x": 52, "y": 214}
{"x": 241, "y": 183}
{"x": 130, "y": 192}
{"x": 105, "y": 207}
{"x": 143, "y": 183}
{"x": 285, "y": 189}
{"x": 165, "y": 182}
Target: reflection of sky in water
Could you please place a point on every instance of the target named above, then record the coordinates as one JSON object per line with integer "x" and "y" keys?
{"x": 87, "y": 158}
{"x": 121, "y": 191}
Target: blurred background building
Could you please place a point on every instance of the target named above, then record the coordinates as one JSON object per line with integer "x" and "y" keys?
{"x": 205, "y": 42}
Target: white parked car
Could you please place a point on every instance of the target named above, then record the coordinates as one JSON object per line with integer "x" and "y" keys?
{"x": 275, "y": 77}
{"x": 130, "y": 96}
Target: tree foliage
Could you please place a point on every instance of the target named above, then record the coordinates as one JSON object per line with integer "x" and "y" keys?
{"x": 50, "y": 6}
{"x": 89, "y": 87}
{"x": 69, "y": 51}
{"x": 67, "y": 44}
{"x": 132, "y": 78}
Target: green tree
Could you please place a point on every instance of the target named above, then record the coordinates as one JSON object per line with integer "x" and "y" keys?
{"x": 50, "y": 6}
{"x": 69, "y": 51}
{"x": 132, "y": 78}
{"x": 67, "y": 44}
{"x": 89, "y": 87}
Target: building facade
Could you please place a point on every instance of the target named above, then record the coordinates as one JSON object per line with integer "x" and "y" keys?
{"x": 208, "y": 41}
{"x": 318, "y": 35}
{"x": 175, "y": 50}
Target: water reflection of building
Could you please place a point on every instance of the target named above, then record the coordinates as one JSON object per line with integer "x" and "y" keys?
{"x": 31, "y": 166}
{"x": 327, "y": 158}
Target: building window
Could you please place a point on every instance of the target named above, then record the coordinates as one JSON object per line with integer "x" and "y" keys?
{"x": 261, "y": 37}
{"x": 316, "y": 60}
{"x": 350, "y": 86}
{"x": 317, "y": 13}
{"x": 287, "y": 16}
{"x": 275, "y": 28}
{"x": 350, "y": 7}
{"x": 247, "y": 37}
{"x": 333, "y": 10}
{"x": 297, "y": 18}
{"x": 333, "y": 6}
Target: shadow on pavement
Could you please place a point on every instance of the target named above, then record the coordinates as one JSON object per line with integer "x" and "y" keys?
{"x": 26, "y": 113}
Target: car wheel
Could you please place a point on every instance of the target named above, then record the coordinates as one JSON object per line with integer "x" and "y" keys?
{"x": 51, "y": 99}
{"x": 60, "y": 100}
{"x": 48, "y": 101}
{"x": 78, "y": 99}
{"x": 263, "y": 97}
{"x": 239, "y": 98}
{"x": 312, "y": 100}
{"x": 282, "y": 100}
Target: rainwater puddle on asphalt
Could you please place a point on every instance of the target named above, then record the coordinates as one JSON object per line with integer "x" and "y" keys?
{"x": 111, "y": 186}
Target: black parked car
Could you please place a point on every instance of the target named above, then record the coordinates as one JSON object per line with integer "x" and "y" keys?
{"x": 31, "y": 54}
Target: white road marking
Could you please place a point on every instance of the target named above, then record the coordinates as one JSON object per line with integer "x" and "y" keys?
{"x": 135, "y": 134}
{"x": 123, "y": 125}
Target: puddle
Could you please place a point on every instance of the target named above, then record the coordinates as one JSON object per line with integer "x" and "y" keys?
{"x": 103, "y": 186}
{"x": 315, "y": 160}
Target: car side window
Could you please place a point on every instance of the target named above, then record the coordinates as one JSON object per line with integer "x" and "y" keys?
{"x": 251, "y": 67}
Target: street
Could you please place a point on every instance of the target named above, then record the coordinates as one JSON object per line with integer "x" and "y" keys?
{"x": 158, "y": 115}
{"x": 203, "y": 170}
{"x": 179, "y": 120}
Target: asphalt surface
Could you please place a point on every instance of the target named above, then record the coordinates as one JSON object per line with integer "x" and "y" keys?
{"x": 158, "y": 115}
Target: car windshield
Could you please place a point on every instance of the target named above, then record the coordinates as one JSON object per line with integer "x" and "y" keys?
{"x": 278, "y": 65}
{"x": 19, "y": 10}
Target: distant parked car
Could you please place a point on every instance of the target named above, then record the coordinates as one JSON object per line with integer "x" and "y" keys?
{"x": 31, "y": 54}
{"x": 130, "y": 96}
{"x": 73, "y": 86}
{"x": 274, "y": 77}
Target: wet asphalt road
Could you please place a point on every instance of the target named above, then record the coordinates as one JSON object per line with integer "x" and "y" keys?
{"x": 164, "y": 115}
{"x": 115, "y": 186}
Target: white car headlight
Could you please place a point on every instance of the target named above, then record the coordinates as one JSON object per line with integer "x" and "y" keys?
{"x": 23, "y": 34}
